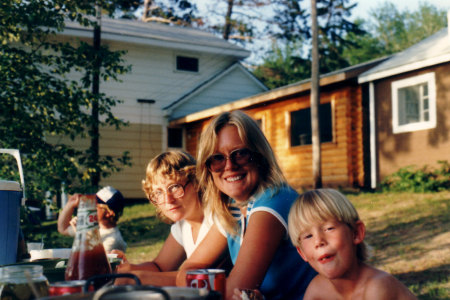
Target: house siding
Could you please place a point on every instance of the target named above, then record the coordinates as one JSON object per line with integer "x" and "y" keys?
{"x": 342, "y": 159}
{"x": 235, "y": 85}
{"x": 143, "y": 141}
{"x": 418, "y": 148}
{"x": 154, "y": 77}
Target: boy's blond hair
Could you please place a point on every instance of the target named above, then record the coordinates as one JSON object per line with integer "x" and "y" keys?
{"x": 321, "y": 205}
{"x": 176, "y": 165}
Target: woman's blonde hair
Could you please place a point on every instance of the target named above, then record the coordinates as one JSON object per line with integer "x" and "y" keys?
{"x": 322, "y": 205}
{"x": 176, "y": 165}
{"x": 264, "y": 158}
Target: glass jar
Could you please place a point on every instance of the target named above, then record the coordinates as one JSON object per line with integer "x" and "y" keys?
{"x": 23, "y": 282}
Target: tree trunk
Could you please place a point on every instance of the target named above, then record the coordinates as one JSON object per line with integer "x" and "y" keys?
{"x": 315, "y": 100}
{"x": 147, "y": 4}
{"x": 227, "y": 27}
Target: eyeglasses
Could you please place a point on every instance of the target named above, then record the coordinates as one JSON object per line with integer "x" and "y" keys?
{"x": 239, "y": 157}
{"x": 176, "y": 190}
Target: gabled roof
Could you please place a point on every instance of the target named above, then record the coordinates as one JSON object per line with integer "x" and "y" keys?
{"x": 160, "y": 35}
{"x": 431, "y": 51}
{"x": 211, "y": 80}
{"x": 281, "y": 92}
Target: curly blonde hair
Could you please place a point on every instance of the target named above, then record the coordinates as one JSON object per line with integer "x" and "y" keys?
{"x": 321, "y": 205}
{"x": 254, "y": 139}
{"x": 176, "y": 165}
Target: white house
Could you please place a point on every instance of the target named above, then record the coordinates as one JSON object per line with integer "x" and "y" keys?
{"x": 176, "y": 71}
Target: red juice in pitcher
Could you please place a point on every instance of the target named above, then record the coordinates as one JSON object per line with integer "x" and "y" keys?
{"x": 88, "y": 257}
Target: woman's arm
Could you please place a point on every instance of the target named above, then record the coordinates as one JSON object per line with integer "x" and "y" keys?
{"x": 151, "y": 278}
{"x": 211, "y": 250}
{"x": 171, "y": 255}
{"x": 260, "y": 243}
{"x": 169, "y": 258}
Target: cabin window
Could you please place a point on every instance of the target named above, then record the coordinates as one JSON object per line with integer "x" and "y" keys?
{"x": 175, "y": 137}
{"x": 301, "y": 125}
{"x": 414, "y": 103}
{"x": 188, "y": 64}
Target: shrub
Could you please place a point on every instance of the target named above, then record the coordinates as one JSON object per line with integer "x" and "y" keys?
{"x": 412, "y": 179}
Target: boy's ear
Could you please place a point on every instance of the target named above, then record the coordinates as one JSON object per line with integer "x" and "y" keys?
{"x": 360, "y": 232}
{"x": 299, "y": 250}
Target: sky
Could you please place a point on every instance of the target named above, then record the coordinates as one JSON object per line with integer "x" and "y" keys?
{"x": 364, "y": 6}
{"x": 362, "y": 10}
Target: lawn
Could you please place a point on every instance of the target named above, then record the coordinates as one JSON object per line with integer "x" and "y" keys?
{"x": 410, "y": 238}
{"x": 409, "y": 235}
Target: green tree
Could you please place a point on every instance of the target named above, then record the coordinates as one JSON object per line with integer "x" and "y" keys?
{"x": 40, "y": 106}
{"x": 291, "y": 26}
{"x": 179, "y": 12}
{"x": 398, "y": 30}
{"x": 283, "y": 65}
{"x": 239, "y": 20}
{"x": 365, "y": 47}
{"x": 389, "y": 31}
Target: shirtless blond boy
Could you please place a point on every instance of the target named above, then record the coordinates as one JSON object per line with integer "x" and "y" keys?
{"x": 328, "y": 234}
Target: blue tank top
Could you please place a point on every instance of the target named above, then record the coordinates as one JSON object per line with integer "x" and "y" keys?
{"x": 288, "y": 275}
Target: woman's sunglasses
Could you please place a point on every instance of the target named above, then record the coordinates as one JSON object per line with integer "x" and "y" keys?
{"x": 239, "y": 157}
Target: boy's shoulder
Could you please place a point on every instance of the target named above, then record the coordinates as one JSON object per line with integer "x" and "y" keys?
{"x": 375, "y": 285}
{"x": 382, "y": 285}
{"x": 320, "y": 288}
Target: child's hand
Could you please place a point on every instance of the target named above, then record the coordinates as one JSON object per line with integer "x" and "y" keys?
{"x": 124, "y": 268}
{"x": 247, "y": 294}
{"x": 73, "y": 223}
{"x": 74, "y": 200}
{"x": 120, "y": 254}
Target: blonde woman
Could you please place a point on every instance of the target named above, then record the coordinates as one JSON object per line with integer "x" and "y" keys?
{"x": 249, "y": 198}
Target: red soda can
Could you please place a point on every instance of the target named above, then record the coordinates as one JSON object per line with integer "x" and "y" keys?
{"x": 67, "y": 287}
{"x": 210, "y": 279}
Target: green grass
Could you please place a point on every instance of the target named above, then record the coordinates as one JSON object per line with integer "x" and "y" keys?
{"x": 410, "y": 238}
{"x": 143, "y": 232}
{"x": 409, "y": 235}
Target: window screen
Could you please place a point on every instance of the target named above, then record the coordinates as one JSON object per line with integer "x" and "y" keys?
{"x": 301, "y": 125}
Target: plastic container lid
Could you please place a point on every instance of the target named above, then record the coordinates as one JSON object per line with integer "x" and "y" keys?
{"x": 50, "y": 253}
{"x": 6, "y": 185}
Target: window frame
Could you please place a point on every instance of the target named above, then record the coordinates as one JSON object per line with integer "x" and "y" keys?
{"x": 332, "y": 124}
{"x": 430, "y": 80}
